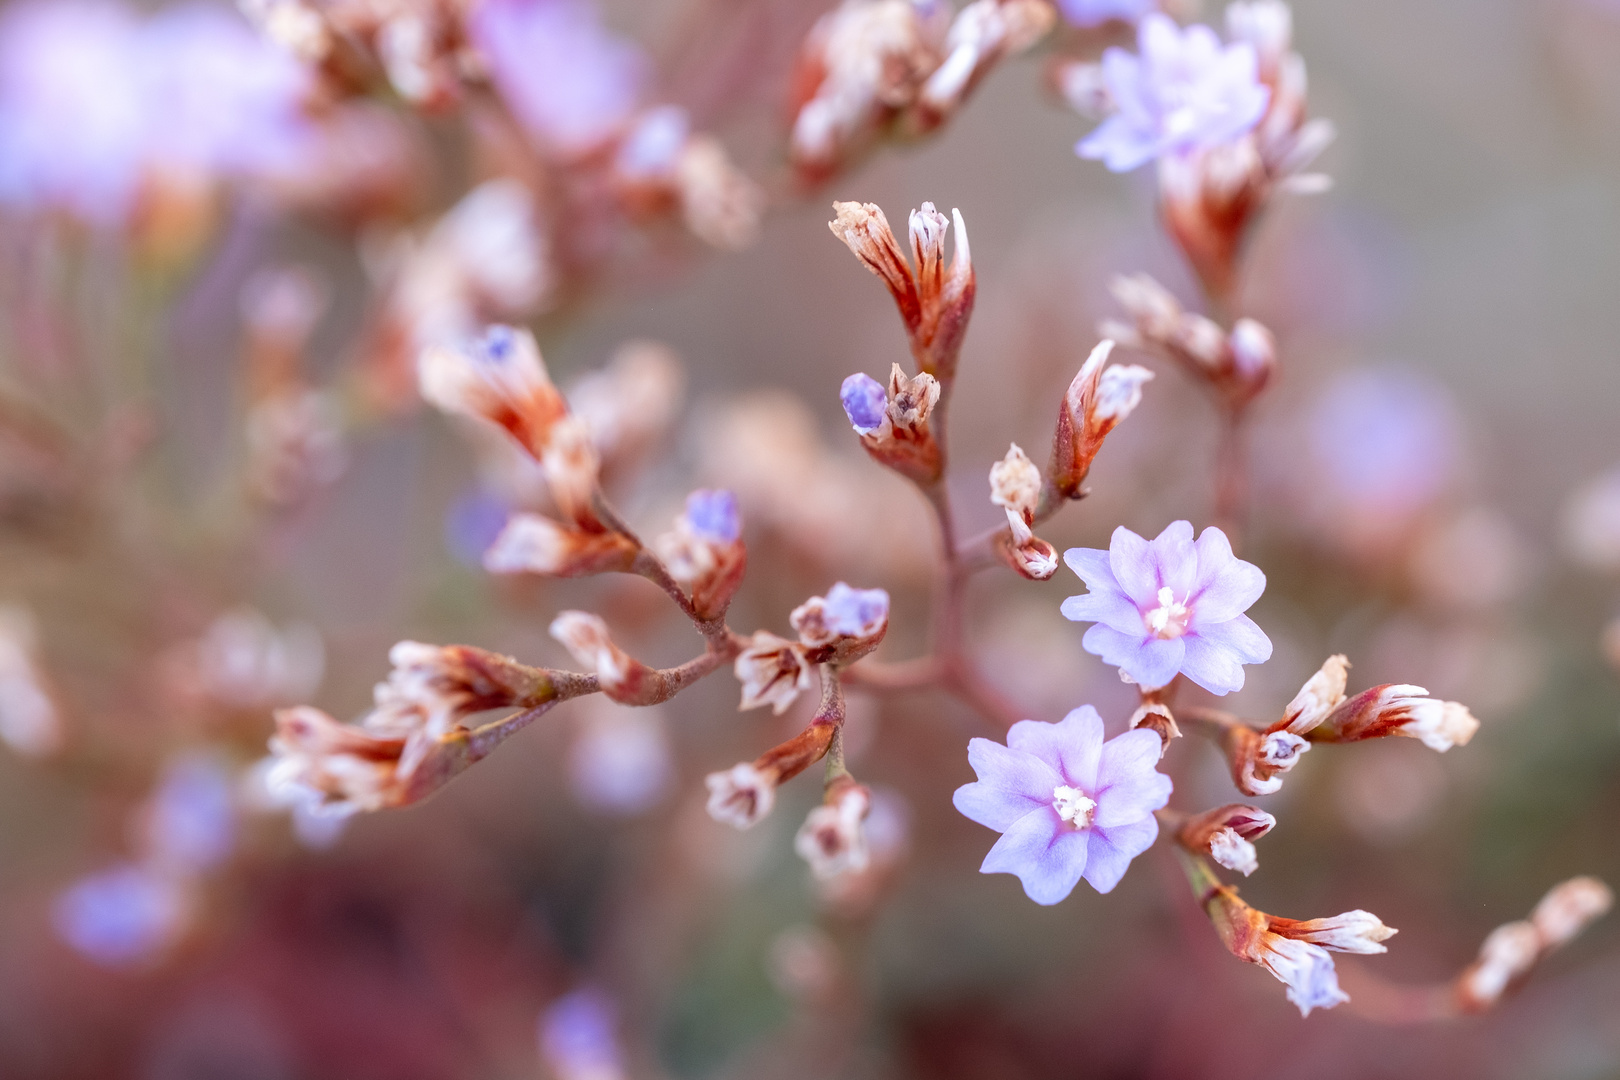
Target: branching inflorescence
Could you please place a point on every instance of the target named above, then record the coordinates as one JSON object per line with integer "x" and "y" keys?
{"x": 1227, "y": 126}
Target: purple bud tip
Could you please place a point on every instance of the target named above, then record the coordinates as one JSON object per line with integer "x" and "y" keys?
{"x": 864, "y": 402}
{"x": 497, "y": 344}
{"x": 713, "y": 515}
{"x": 856, "y": 612}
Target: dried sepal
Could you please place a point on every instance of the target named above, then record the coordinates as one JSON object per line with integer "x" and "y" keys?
{"x": 534, "y": 544}
{"x": 1398, "y": 709}
{"x": 1098, "y": 399}
{"x": 833, "y": 837}
{"x": 773, "y": 671}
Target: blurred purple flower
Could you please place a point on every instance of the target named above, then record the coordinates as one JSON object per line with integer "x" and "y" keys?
{"x": 120, "y": 916}
{"x": 712, "y": 513}
{"x": 651, "y": 150}
{"x": 1186, "y": 91}
{"x": 577, "y": 1040}
{"x": 620, "y": 762}
{"x": 92, "y": 100}
{"x": 191, "y": 820}
{"x": 1067, "y": 804}
{"x": 472, "y": 523}
{"x": 1385, "y": 440}
{"x": 1097, "y": 12}
{"x": 1170, "y": 606}
{"x": 570, "y": 82}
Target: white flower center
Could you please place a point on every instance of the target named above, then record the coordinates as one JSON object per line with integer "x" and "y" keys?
{"x": 1170, "y": 618}
{"x": 1073, "y": 806}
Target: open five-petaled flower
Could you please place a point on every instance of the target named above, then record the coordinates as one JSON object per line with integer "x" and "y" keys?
{"x": 1067, "y": 804}
{"x": 1169, "y": 606}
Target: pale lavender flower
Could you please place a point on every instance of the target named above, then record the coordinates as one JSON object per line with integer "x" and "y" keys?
{"x": 191, "y": 819}
{"x": 1385, "y": 440}
{"x": 1184, "y": 92}
{"x": 121, "y": 916}
{"x": 572, "y": 84}
{"x": 1068, "y": 805}
{"x": 1170, "y": 605}
{"x": 621, "y": 762}
{"x": 93, "y": 100}
{"x": 865, "y": 402}
{"x": 577, "y": 1038}
{"x": 1097, "y": 12}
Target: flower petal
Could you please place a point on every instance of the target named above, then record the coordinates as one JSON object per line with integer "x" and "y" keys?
{"x": 1226, "y": 585}
{"x": 1129, "y": 784}
{"x": 1210, "y": 666}
{"x": 1110, "y": 851}
{"x": 1239, "y": 636}
{"x": 1044, "y": 853}
{"x": 1072, "y": 746}
{"x": 1176, "y": 559}
{"x": 1131, "y": 559}
{"x": 1107, "y": 606}
{"x": 1011, "y": 784}
{"x": 1151, "y": 661}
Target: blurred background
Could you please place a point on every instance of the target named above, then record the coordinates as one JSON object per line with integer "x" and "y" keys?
{"x": 218, "y": 495}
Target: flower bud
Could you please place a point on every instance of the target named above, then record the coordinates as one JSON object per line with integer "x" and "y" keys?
{"x": 773, "y": 671}
{"x": 1506, "y": 957}
{"x": 704, "y": 552}
{"x": 893, "y": 426}
{"x": 1569, "y": 908}
{"x": 1399, "y": 709}
{"x": 1156, "y": 717}
{"x": 865, "y": 231}
{"x": 1015, "y": 483}
{"x": 1352, "y": 932}
{"x": 719, "y": 203}
{"x": 832, "y": 839}
{"x": 339, "y": 769}
{"x": 1098, "y": 399}
{"x": 29, "y": 721}
{"x": 1254, "y": 353}
{"x": 934, "y": 304}
{"x": 1321, "y": 694}
{"x": 844, "y": 626}
{"x": 983, "y": 33}
{"x": 741, "y": 796}
{"x": 573, "y": 472}
{"x": 621, "y": 677}
{"x": 501, "y": 379}
{"x": 532, "y": 544}
{"x": 1227, "y": 834}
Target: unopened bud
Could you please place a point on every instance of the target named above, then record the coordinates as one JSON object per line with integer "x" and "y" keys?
{"x": 532, "y": 544}
{"x": 501, "y": 379}
{"x": 621, "y": 677}
{"x": 1015, "y": 483}
{"x": 1321, "y": 694}
{"x": 1569, "y": 908}
{"x": 1254, "y": 353}
{"x": 1352, "y": 932}
{"x": 1098, "y": 399}
{"x": 1227, "y": 834}
{"x": 1399, "y": 709}
{"x": 1506, "y": 956}
{"x": 1156, "y": 717}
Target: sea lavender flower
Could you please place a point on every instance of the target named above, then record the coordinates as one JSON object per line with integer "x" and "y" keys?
{"x": 570, "y": 82}
{"x": 577, "y": 1039}
{"x": 1097, "y": 12}
{"x": 190, "y": 822}
{"x": 120, "y": 916}
{"x": 1184, "y": 92}
{"x": 865, "y": 402}
{"x": 620, "y": 762}
{"x": 93, "y": 101}
{"x": 1068, "y": 805}
{"x": 1170, "y": 606}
